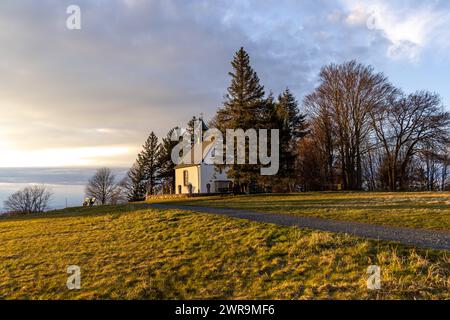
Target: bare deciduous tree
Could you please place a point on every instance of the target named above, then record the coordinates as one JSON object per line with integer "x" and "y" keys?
{"x": 407, "y": 125}
{"x": 103, "y": 187}
{"x": 346, "y": 95}
{"x": 445, "y": 164}
{"x": 34, "y": 199}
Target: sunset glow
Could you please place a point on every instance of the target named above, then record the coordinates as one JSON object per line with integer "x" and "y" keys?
{"x": 74, "y": 157}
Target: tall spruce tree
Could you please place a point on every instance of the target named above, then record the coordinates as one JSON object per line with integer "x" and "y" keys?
{"x": 142, "y": 178}
{"x": 242, "y": 109}
{"x": 150, "y": 154}
{"x": 292, "y": 125}
{"x": 269, "y": 120}
{"x": 135, "y": 183}
{"x": 190, "y": 128}
{"x": 166, "y": 173}
{"x": 269, "y": 114}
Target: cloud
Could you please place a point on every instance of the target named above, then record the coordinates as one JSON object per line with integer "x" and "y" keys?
{"x": 137, "y": 65}
{"x": 60, "y": 157}
{"x": 358, "y": 15}
{"x": 410, "y": 26}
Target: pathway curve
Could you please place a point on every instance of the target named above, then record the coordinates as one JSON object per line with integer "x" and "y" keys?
{"x": 415, "y": 237}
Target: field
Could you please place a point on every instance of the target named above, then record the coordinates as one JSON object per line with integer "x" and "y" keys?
{"x": 132, "y": 252}
{"x": 427, "y": 210}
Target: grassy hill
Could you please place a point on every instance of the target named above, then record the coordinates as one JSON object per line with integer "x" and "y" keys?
{"x": 136, "y": 253}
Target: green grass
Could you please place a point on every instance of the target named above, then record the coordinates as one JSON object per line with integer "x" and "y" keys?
{"x": 133, "y": 253}
{"x": 415, "y": 210}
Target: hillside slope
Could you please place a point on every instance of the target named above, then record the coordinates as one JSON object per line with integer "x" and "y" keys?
{"x": 129, "y": 253}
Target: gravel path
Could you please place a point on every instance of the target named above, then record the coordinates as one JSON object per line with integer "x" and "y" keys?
{"x": 414, "y": 237}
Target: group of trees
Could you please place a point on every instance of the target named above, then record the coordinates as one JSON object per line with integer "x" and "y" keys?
{"x": 104, "y": 187}
{"x": 367, "y": 134}
{"x": 358, "y": 131}
{"x": 247, "y": 107}
{"x": 32, "y": 199}
{"x": 153, "y": 170}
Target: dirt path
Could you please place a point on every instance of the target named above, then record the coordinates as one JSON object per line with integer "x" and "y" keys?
{"x": 414, "y": 237}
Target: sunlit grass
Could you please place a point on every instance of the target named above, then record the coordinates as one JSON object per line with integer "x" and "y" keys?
{"x": 427, "y": 210}
{"x": 131, "y": 253}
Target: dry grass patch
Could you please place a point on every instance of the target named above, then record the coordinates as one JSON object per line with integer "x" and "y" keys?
{"x": 160, "y": 254}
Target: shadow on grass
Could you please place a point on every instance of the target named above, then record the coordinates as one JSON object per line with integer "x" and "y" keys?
{"x": 76, "y": 212}
{"x": 316, "y": 204}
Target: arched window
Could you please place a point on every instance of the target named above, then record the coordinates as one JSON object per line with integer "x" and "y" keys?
{"x": 185, "y": 177}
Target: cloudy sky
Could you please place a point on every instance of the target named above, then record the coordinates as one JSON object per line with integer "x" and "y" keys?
{"x": 90, "y": 97}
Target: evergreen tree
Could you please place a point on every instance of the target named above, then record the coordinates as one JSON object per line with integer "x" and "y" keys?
{"x": 242, "y": 109}
{"x": 292, "y": 126}
{"x": 166, "y": 173}
{"x": 190, "y": 129}
{"x": 135, "y": 183}
{"x": 150, "y": 154}
{"x": 269, "y": 114}
{"x": 142, "y": 178}
{"x": 269, "y": 120}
